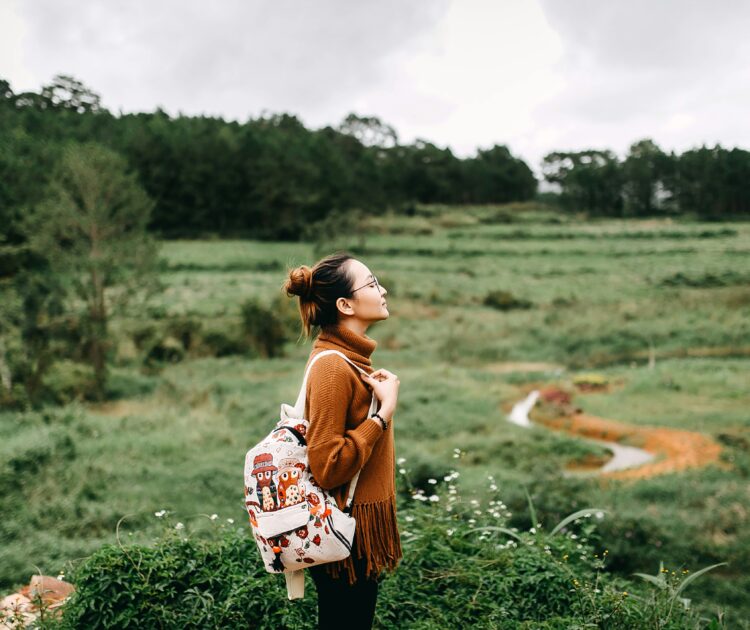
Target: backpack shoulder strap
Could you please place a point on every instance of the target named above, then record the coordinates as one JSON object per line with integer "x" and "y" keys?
{"x": 300, "y": 408}
{"x": 300, "y": 404}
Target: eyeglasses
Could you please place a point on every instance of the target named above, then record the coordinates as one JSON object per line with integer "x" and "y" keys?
{"x": 370, "y": 283}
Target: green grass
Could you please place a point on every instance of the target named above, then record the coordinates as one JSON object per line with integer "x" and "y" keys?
{"x": 176, "y": 439}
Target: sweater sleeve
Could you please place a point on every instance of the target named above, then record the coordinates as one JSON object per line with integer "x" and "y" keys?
{"x": 335, "y": 453}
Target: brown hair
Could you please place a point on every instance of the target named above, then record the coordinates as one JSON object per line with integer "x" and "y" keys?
{"x": 319, "y": 288}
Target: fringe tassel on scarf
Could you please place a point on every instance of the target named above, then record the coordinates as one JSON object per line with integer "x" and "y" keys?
{"x": 376, "y": 538}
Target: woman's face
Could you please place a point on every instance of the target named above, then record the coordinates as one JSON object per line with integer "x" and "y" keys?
{"x": 368, "y": 299}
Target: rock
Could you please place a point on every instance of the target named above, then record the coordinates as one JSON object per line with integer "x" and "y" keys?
{"x": 51, "y": 590}
{"x": 15, "y": 612}
{"x": 20, "y": 609}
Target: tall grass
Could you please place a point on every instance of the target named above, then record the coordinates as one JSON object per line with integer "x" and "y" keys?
{"x": 174, "y": 438}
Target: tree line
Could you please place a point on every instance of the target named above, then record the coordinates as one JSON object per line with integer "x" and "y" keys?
{"x": 707, "y": 183}
{"x": 270, "y": 177}
{"x": 266, "y": 178}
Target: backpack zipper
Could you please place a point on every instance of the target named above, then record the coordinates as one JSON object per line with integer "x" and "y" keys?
{"x": 341, "y": 538}
{"x": 295, "y": 433}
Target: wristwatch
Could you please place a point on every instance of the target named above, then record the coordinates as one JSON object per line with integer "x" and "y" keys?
{"x": 382, "y": 419}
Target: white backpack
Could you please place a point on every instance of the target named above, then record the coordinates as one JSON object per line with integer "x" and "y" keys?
{"x": 295, "y": 522}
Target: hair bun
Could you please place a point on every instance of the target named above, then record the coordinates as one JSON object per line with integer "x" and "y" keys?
{"x": 300, "y": 282}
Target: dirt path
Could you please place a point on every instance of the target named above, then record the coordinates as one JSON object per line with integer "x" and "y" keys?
{"x": 675, "y": 449}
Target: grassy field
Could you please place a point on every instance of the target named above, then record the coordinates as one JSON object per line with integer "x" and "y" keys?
{"x": 601, "y": 296}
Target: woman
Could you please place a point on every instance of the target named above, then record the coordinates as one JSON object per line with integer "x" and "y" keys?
{"x": 342, "y": 298}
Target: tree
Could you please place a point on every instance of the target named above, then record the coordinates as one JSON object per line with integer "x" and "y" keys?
{"x": 645, "y": 172}
{"x": 713, "y": 183}
{"x": 92, "y": 229}
{"x": 65, "y": 92}
{"x": 590, "y": 180}
{"x": 369, "y": 130}
{"x": 495, "y": 176}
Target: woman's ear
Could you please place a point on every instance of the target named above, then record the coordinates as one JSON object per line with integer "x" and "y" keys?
{"x": 344, "y": 306}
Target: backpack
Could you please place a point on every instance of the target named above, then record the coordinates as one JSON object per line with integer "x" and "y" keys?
{"x": 295, "y": 522}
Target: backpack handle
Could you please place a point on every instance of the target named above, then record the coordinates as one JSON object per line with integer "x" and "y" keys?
{"x": 299, "y": 406}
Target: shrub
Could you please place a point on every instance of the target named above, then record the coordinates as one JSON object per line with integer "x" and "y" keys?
{"x": 263, "y": 329}
{"x": 168, "y": 350}
{"x": 705, "y": 281}
{"x": 221, "y": 343}
{"x": 461, "y": 565}
{"x": 505, "y": 301}
{"x": 67, "y": 381}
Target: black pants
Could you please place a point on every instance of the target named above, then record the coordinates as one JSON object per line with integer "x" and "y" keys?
{"x": 341, "y": 605}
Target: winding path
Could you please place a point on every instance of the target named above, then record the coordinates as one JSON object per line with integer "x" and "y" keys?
{"x": 661, "y": 451}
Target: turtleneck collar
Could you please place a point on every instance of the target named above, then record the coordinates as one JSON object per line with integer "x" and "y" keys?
{"x": 356, "y": 347}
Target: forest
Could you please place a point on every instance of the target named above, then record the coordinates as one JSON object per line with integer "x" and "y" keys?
{"x": 271, "y": 178}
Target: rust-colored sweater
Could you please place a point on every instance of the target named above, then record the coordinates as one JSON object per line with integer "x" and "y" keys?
{"x": 341, "y": 441}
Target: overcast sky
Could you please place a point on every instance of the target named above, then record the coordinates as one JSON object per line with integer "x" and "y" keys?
{"x": 537, "y": 75}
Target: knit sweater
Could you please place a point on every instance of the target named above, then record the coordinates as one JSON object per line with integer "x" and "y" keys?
{"x": 341, "y": 441}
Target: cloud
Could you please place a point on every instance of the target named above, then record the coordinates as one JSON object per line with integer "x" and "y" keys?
{"x": 235, "y": 58}
{"x": 674, "y": 70}
{"x": 536, "y": 75}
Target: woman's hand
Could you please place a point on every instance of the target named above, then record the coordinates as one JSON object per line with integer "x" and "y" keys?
{"x": 384, "y": 385}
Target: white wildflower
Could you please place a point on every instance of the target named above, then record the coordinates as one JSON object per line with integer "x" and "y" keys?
{"x": 434, "y": 498}
{"x": 408, "y": 519}
{"x": 432, "y": 481}
{"x": 179, "y": 526}
{"x": 213, "y": 517}
{"x": 400, "y": 461}
{"x": 230, "y": 520}
{"x": 449, "y": 532}
{"x": 160, "y": 513}
{"x": 402, "y": 471}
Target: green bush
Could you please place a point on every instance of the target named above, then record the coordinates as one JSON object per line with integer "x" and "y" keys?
{"x": 505, "y": 301}
{"x": 221, "y": 343}
{"x": 461, "y": 565}
{"x": 709, "y": 280}
{"x": 264, "y": 330}
{"x": 67, "y": 381}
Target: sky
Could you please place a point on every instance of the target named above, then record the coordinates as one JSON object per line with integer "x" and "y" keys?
{"x": 536, "y": 75}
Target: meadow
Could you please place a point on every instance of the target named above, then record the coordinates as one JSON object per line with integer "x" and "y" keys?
{"x": 486, "y": 304}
